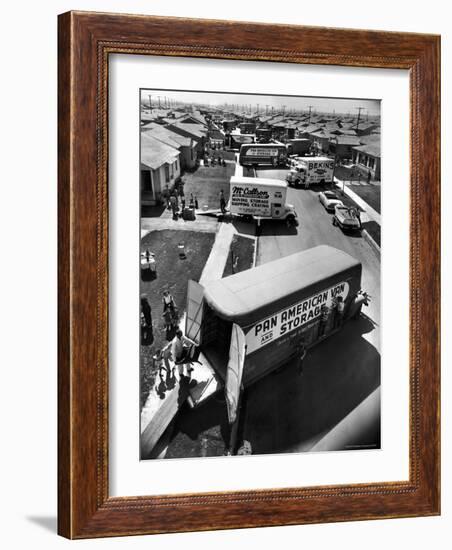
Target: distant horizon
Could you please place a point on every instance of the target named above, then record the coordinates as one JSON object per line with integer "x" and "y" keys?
{"x": 265, "y": 103}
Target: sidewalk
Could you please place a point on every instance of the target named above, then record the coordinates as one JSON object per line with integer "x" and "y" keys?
{"x": 206, "y": 224}
{"x": 216, "y": 262}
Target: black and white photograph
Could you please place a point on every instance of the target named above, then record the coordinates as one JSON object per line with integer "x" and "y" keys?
{"x": 259, "y": 306}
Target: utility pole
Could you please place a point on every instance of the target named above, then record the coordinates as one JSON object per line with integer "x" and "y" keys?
{"x": 309, "y": 118}
{"x": 150, "y": 102}
{"x": 359, "y": 109}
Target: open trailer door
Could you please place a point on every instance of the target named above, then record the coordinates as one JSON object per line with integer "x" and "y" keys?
{"x": 207, "y": 381}
{"x": 195, "y": 306}
{"x": 234, "y": 372}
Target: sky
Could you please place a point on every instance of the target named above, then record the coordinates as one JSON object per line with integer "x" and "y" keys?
{"x": 266, "y": 102}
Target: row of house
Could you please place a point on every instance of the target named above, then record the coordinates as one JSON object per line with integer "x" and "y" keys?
{"x": 331, "y": 135}
{"x": 171, "y": 143}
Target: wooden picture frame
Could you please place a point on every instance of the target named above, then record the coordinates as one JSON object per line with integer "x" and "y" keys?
{"x": 85, "y": 42}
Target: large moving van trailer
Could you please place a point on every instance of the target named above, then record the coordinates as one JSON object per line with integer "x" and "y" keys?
{"x": 253, "y": 322}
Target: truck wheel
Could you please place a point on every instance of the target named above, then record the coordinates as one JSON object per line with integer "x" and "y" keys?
{"x": 290, "y": 220}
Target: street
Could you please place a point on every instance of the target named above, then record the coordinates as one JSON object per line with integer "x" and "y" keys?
{"x": 289, "y": 412}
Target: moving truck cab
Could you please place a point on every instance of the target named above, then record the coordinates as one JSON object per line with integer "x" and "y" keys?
{"x": 250, "y": 323}
{"x": 261, "y": 198}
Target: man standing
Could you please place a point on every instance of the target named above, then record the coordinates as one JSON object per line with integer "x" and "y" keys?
{"x": 146, "y": 321}
{"x": 166, "y": 196}
{"x": 168, "y": 301}
{"x": 324, "y": 314}
{"x": 301, "y": 354}
{"x": 173, "y": 201}
{"x": 180, "y": 351}
{"x": 340, "y": 309}
{"x": 222, "y": 202}
{"x": 358, "y": 215}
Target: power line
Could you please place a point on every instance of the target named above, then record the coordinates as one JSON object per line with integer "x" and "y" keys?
{"x": 359, "y": 109}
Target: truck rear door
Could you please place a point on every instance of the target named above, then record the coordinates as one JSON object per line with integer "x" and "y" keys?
{"x": 234, "y": 372}
{"x": 205, "y": 382}
{"x": 195, "y": 307}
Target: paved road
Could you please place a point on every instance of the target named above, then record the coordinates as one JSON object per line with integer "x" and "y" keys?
{"x": 289, "y": 412}
{"x": 316, "y": 228}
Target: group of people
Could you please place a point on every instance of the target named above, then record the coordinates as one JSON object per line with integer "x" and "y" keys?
{"x": 178, "y": 351}
{"x": 337, "y": 311}
{"x": 212, "y": 161}
{"x": 175, "y": 200}
{"x": 176, "y": 354}
{"x": 209, "y": 156}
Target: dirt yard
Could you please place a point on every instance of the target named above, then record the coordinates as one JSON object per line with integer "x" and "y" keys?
{"x": 173, "y": 274}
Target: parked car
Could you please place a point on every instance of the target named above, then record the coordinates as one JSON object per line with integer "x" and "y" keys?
{"x": 329, "y": 200}
{"x": 347, "y": 218}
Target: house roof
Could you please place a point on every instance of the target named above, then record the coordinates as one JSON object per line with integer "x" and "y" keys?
{"x": 312, "y": 128}
{"x": 347, "y": 140}
{"x": 367, "y": 126}
{"x": 321, "y": 133}
{"x": 372, "y": 148}
{"x": 194, "y": 118}
{"x": 155, "y": 153}
{"x": 195, "y": 130}
{"x": 348, "y": 132}
{"x": 169, "y": 137}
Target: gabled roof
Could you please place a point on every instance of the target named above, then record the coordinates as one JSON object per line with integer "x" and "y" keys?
{"x": 193, "y": 118}
{"x": 347, "y": 140}
{"x": 155, "y": 153}
{"x": 372, "y": 149}
{"x": 367, "y": 126}
{"x": 370, "y": 138}
{"x": 348, "y": 132}
{"x": 168, "y": 136}
{"x": 195, "y": 130}
{"x": 312, "y": 128}
{"x": 321, "y": 133}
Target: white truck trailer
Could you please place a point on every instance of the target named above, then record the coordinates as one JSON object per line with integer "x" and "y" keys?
{"x": 260, "y": 199}
{"x": 311, "y": 170}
